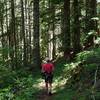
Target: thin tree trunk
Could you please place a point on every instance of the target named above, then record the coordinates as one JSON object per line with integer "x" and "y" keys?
{"x": 87, "y": 28}
{"x": 23, "y": 32}
{"x": 54, "y": 39}
{"x": 7, "y": 29}
{"x": 49, "y": 54}
{"x": 2, "y": 30}
{"x": 30, "y": 49}
{"x": 13, "y": 35}
{"x": 26, "y": 29}
{"x": 2, "y": 26}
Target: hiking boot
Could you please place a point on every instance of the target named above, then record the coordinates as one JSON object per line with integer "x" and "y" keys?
{"x": 49, "y": 93}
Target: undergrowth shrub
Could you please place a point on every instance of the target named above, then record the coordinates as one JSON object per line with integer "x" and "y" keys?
{"x": 89, "y": 57}
{"x": 16, "y": 84}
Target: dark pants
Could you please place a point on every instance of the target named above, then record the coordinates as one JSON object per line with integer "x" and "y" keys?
{"x": 48, "y": 77}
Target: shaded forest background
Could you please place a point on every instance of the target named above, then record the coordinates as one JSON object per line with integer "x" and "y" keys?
{"x": 65, "y": 31}
{"x": 28, "y": 34}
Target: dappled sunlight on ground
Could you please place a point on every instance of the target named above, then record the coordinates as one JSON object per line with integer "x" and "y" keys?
{"x": 39, "y": 84}
{"x": 58, "y": 83}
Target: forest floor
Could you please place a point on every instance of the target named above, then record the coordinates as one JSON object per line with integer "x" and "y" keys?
{"x": 60, "y": 90}
{"x": 44, "y": 96}
{"x": 72, "y": 81}
{"x": 24, "y": 85}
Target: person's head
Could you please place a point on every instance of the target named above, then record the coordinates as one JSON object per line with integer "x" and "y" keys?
{"x": 48, "y": 61}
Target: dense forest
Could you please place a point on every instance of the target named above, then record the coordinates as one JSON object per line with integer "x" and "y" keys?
{"x": 65, "y": 31}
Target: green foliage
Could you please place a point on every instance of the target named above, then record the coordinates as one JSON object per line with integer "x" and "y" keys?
{"x": 60, "y": 66}
{"x": 56, "y": 1}
{"x": 90, "y": 57}
{"x": 24, "y": 88}
{"x": 79, "y": 76}
{"x": 16, "y": 85}
{"x": 97, "y": 41}
{"x": 86, "y": 37}
{"x": 64, "y": 94}
{"x": 5, "y": 94}
{"x": 17, "y": 88}
{"x": 84, "y": 55}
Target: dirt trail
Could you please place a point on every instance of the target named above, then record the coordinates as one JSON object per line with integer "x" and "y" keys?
{"x": 44, "y": 96}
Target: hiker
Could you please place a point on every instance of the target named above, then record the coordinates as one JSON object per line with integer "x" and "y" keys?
{"x": 47, "y": 70}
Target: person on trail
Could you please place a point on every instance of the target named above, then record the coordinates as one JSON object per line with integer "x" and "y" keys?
{"x": 47, "y": 70}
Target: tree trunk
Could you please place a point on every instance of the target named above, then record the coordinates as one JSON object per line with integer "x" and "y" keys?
{"x": 90, "y": 13}
{"x": 26, "y": 29}
{"x": 76, "y": 34}
{"x": 23, "y": 32}
{"x": 7, "y": 28}
{"x": 90, "y": 23}
{"x": 36, "y": 35}
{"x": 13, "y": 34}
{"x": 53, "y": 29}
{"x": 30, "y": 49}
{"x": 66, "y": 28}
{"x": 2, "y": 27}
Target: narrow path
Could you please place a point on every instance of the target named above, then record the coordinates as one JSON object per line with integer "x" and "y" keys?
{"x": 44, "y": 96}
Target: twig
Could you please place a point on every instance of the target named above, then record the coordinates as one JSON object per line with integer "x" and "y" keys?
{"x": 95, "y": 80}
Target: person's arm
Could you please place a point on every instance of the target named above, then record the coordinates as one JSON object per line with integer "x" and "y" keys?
{"x": 52, "y": 67}
{"x": 43, "y": 70}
